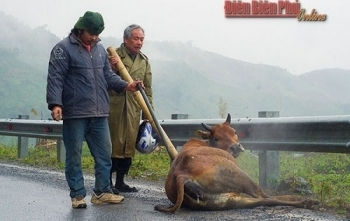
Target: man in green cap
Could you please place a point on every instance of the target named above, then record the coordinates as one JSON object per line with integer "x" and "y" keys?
{"x": 79, "y": 76}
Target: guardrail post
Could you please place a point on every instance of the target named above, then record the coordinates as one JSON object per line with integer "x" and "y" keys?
{"x": 61, "y": 151}
{"x": 179, "y": 116}
{"x": 22, "y": 143}
{"x": 22, "y": 147}
{"x": 269, "y": 161}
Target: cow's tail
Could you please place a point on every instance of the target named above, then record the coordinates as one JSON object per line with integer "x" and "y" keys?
{"x": 180, "y": 186}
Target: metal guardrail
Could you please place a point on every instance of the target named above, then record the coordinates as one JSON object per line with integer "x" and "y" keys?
{"x": 329, "y": 134}
{"x": 24, "y": 129}
{"x": 47, "y": 129}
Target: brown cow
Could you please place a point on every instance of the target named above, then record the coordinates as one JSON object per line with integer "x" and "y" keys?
{"x": 205, "y": 178}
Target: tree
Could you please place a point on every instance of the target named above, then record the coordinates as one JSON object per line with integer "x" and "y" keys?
{"x": 222, "y": 105}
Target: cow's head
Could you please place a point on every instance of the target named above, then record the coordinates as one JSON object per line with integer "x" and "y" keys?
{"x": 223, "y": 136}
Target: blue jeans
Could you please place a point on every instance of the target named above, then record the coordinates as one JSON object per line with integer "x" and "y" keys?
{"x": 96, "y": 133}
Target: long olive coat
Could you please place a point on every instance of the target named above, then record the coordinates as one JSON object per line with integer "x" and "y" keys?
{"x": 125, "y": 113}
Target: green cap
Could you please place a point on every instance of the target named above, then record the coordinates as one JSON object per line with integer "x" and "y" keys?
{"x": 91, "y": 22}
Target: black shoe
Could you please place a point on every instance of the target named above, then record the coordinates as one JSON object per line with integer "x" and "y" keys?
{"x": 126, "y": 188}
{"x": 115, "y": 190}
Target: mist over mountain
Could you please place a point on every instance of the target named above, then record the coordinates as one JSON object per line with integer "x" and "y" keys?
{"x": 186, "y": 80}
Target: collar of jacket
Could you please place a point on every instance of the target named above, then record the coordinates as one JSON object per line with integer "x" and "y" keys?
{"x": 124, "y": 52}
{"x": 76, "y": 40}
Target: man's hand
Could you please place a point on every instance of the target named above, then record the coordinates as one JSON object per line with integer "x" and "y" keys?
{"x": 113, "y": 61}
{"x": 56, "y": 113}
{"x": 133, "y": 86}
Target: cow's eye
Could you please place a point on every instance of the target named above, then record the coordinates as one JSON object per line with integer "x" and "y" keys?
{"x": 216, "y": 139}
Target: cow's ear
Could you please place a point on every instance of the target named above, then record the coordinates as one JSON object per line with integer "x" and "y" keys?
{"x": 202, "y": 134}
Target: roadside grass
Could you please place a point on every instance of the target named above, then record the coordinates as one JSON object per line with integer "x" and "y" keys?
{"x": 327, "y": 174}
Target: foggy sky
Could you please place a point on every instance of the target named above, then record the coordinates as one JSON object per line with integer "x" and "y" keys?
{"x": 288, "y": 43}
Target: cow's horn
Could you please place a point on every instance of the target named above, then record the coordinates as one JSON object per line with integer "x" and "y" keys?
{"x": 228, "y": 119}
{"x": 207, "y": 127}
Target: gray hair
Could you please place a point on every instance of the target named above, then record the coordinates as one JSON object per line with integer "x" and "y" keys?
{"x": 130, "y": 28}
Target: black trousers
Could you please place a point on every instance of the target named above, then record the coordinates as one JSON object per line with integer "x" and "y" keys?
{"x": 121, "y": 166}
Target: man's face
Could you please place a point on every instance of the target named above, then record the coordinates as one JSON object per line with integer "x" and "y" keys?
{"x": 88, "y": 38}
{"x": 135, "y": 42}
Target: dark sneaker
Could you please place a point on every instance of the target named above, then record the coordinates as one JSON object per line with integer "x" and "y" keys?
{"x": 78, "y": 202}
{"x": 106, "y": 198}
{"x": 125, "y": 188}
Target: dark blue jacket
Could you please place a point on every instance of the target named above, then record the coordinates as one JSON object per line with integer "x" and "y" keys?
{"x": 78, "y": 80}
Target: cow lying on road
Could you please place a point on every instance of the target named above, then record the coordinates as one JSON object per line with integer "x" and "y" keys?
{"x": 205, "y": 175}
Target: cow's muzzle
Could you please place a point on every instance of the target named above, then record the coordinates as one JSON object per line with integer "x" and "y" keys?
{"x": 236, "y": 150}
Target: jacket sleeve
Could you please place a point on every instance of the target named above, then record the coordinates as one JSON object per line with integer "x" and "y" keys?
{"x": 114, "y": 81}
{"x": 57, "y": 70}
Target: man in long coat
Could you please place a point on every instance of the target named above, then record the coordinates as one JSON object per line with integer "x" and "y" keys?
{"x": 125, "y": 113}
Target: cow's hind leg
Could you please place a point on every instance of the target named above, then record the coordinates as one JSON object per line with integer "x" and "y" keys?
{"x": 207, "y": 201}
{"x": 247, "y": 202}
{"x": 179, "y": 197}
{"x": 308, "y": 203}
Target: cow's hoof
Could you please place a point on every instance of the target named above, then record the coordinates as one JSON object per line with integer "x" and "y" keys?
{"x": 311, "y": 204}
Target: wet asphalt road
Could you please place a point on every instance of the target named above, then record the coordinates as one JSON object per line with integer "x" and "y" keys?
{"x": 29, "y": 193}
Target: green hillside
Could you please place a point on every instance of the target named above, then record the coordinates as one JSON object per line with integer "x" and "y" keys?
{"x": 187, "y": 80}
{"x": 21, "y": 87}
